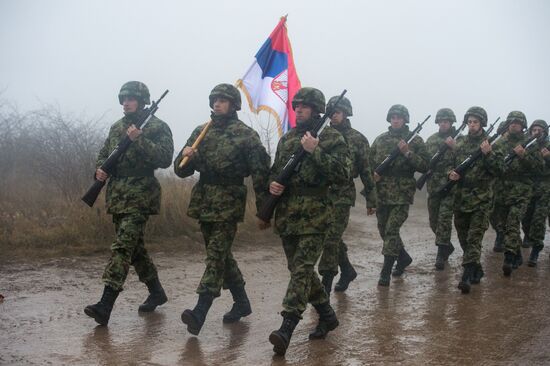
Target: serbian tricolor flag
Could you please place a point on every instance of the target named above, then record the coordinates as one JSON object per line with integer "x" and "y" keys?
{"x": 271, "y": 82}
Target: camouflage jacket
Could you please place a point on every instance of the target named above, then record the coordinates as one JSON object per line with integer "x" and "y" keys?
{"x": 132, "y": 187}
{"x": 344, "y": 194}
{"x": 304, "y": 207}
{"x": 445, "y": 164}
{"x": 516, "y": 180}
{"x": 229, "y": 152}
{"x": 541, "y": 178}
{"x": 475, "y": 189}
{"x": 397, "y": 186}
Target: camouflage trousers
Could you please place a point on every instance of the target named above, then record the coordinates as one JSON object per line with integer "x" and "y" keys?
{"x": 334, "y": 248}
{"x": 470, "y": 228}
{"x": 221, "y": 268}
{"x": 440, "y": 212}
{"x": 302, "y": 252}
{"x": 129, "y": 249}
{"x": 507, "y": 218}
{"x": 534, "y": 220}
{"x": 390, "y": 219}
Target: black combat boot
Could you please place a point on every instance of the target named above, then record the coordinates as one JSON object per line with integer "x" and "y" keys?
{"x": 386, "y": 271}
{"x": 507, "y": 266}
{"x": 403, "y": 261}
{"x": 241, "y": 305}
{"x": 526, "y": 243}
{"x": 347, "y": 274}
{"x": 195, "y": 318}
{"x": 440, "y": 257}
{"x": 465, "y": 283}
{"x": 478, "y": 274}
{"x": 101, "y": 312}
{"x": 499, "y": 243}
{"x": 534, "y": 256}
{"x": 280, "y": 339}
{"x": 518, "y": 260}
{"x": 327, "y": 282}
{"x": 156, "y": 297}
{"x": 327, "y": 321}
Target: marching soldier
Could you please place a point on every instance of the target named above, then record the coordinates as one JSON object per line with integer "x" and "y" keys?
{"x": 473, "y": 195}
{"x": 133, "y": 193}
{"x": 440, "y": 208}
{"x": 304, "y": 211}
{"x": 335, "y": 252}
{"x": 534, "y": 221}
{"x": 395, "y": 189}
{"x": 229, "y": 152}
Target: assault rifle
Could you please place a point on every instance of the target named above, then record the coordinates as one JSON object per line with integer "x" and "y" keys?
{"x": 108, "y": 165}
{"x": 512, "y": 154}
{"x": 470, "y": 160}
{"x": 437, "y": 158}
{"x": 384, "y": 165}
{"x": 292, "y": 165}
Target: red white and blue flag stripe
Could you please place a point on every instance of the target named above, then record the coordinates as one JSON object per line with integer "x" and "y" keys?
{"x": 271, "y": 82}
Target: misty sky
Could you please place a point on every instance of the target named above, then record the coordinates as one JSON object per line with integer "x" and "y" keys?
{"x": 423, "y": 54}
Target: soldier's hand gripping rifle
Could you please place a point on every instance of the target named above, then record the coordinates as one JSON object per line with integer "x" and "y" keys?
{"x": 384, "y": 165}
{"x": 266, "y": 211}
{"x": 437, "y": 158}
{"x": 110, "y": 163}
{"x": 526, "y": 145}
{"x": 470, "y": 160}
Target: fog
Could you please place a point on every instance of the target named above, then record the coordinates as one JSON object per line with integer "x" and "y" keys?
{"x": 423, "y": 54}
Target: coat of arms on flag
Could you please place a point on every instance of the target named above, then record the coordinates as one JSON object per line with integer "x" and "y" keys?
{"x": 271, "y": 82}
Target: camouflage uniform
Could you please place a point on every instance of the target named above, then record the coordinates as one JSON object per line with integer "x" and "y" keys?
{"x": 229, "y": 152}
{"x": 133, "y": 193}
{"x": 395, "y": 190}
{"x": 343, "y": 197}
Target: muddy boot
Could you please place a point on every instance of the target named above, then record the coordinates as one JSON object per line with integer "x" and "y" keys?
{"x": 280, "y": 339}
{"x": 195, "y": 318}
{"x": 518, "y": 260}
{"x": 327, "y": 321}
{"x": 101, "y": 312}
{"x": 156, "y": 297}
{"x": 403, "y": 261}
{"x": 385, "y": 274}
{"x": 499, "y": 243}
{"x": 440, "y": 257}
{"x": 465, "y": 283}
{"x": 241, "y": 305}
{"x": 508, "y": 263}
{"x": 347, "y": 274}
{"x": 327, "y": 282}
{"x": 534, "y": 256}
{"x": 450, "y": 250}
{"x": 478, "y": 274}
{"x": 526, "y": 243}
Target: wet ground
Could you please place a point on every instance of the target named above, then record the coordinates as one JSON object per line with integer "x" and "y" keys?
{"x": 422, "y": 318}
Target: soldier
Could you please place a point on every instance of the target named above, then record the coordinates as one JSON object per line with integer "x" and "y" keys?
{"x": 133, "y": 193}
{"x": 494, "y": 218}
{"x": 229, "y": 152}
{"x": 473, "y": 196}
{"x": 534, "y": 221}
{"x": 343, "y": 198}
{"x": 440, "y": 208}
{"x": 395, "y": 189}
{"x": 304, "y": 211}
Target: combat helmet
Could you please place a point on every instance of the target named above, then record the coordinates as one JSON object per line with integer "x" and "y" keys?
{"x": 517, "y": 116}
{"x": 228, "y": 92}
{"x": 400, "y": 110}
{"x": 344, "y": 105}
{"x": 445, "y": 114}
{"x": 541, "y": 123}
{"x": 479, "y": 113}
{"x": 311, "y": 97}
{"x": 135, "y": 89}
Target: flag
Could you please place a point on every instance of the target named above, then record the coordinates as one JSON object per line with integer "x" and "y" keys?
{"x": 271, "y": 82}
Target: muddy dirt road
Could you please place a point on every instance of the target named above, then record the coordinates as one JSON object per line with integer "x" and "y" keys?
{"x": 420, "y": 319}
